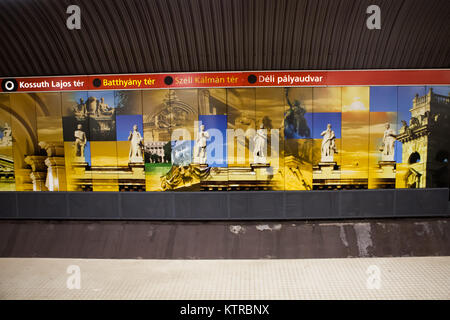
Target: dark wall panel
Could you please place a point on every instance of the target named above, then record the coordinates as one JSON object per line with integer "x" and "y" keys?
{"x": 240, "y": 205}
{"x": 98, "y": 205}
{"x": 415, "y": 202}
{"x": 371, "y": 203}
{"x": 200, "y": 205}
{"x": 8, "y": 206}
{"x": 154, "y": 205}
{"x": 35, "y": 205}
{"x": 312, "y": 204}
{"x": 256, "y": 205}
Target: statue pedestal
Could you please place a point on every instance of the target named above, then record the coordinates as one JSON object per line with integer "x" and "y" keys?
{"x": 387, "y": 158}
{"x": 137, "y": 160}
{"x": 79, "y": 163}
{"x": 138, "y": 168}
{"x": 259, "y": 160}
{"x": 136, "y": 163}
{"x": 259, "y": 165}
{"x": 79, "y": 167}
{"x": 77, "y": 159}
{"x": 327, "y": 159}
{"x": 387, "y": 168}
{"x": 383, "y": 177}
{"x": 262, "y": 170}
{"x": 326, "y": 170}
{"x": 327, "y": 165}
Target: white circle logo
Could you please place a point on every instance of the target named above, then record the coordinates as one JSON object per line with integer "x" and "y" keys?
{"x": 9, "y": 85}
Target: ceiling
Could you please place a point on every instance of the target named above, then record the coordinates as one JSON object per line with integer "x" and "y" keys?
{"x": 213, "y": 35}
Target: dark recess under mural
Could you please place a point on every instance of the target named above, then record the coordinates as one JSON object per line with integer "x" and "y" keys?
{"x": 225, "y": 239}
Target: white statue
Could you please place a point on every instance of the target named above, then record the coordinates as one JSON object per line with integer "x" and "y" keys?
{"x": 6, "y": 140}
{"x": 103, "y": 107}
{"x": 328, "y": 145}
{"x": 260, "y": 141}
{"x": 388, "y": 146}
{"x": 200, "y": 146}
{"x": 135, "y": 137}
{"x": 80, "y": 109}
{"x": 80, "y": 141}
{"x": 92, "y": 106}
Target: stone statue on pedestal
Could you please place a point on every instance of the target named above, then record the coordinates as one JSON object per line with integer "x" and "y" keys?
{"x": 200, "y": 146}
{"x": 260, "y": 140}
{"x": 80, "y": 109}
{"x": 388, "y": 146}
{"x": 80, "y": 142}
{"x": 328, "y": 148}
{"x": 103, "y": 108}
{"x": 6, "y": 140}
{"x": 136, "y": 145}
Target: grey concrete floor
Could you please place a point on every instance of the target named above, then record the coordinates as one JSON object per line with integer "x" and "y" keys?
{"x": 351, "y": 278}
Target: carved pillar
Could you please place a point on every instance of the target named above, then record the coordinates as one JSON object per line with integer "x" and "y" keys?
{"x": 38, "y": 179}
{"x": 38, "y": 172}
{"x": 53, "y": 149}
{"x": 56, "y": 167}
{"x": 56, "y": 174}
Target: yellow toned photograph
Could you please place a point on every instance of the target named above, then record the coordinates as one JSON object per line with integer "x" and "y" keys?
{"x": 130, "y": 168}
{"x": 327, "y": 99}
{"x": 355, "y": 136}
{"x": 50, "y": 129}
{"x": 7, "y": 180}
{"x": 128, "y": 102}
{"x": 242, "y": 120}
{"x": 270, "y": 111}
{"x": 27, "y": 153}
{"x": 184, "y": 112}
{"x": 77, "y": 163}
{"x": 212, "y": 101}
{"x": 104, "y": 168}
{"x": 298, "y": 164}
{"x": 382, "y": 166}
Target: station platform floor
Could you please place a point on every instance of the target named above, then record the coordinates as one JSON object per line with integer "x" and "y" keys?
{"x": 268, "y": 279}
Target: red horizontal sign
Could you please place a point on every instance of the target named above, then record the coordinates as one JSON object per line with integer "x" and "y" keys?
{"x": 228, "y": 79}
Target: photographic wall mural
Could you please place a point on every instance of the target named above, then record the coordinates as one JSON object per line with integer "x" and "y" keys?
{"x": 232, "y": 138}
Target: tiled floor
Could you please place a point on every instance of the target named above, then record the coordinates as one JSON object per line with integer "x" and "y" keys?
{"x": 356, "y": 278}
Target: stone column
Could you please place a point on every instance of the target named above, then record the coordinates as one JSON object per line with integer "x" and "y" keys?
{"x": 56, "y": 171}
{"x": 53, "y": 149}
{"x": 38, "y": 172}
{"x": 56, "y": 167}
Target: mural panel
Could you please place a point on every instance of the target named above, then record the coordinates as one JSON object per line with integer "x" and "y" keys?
{"x": 298, "y": 143}
{"x": 7, "y": 180}
{"x": 297, "y": 138}
{"x": 157, "y": 138}
{"x": 326, "y": 138}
